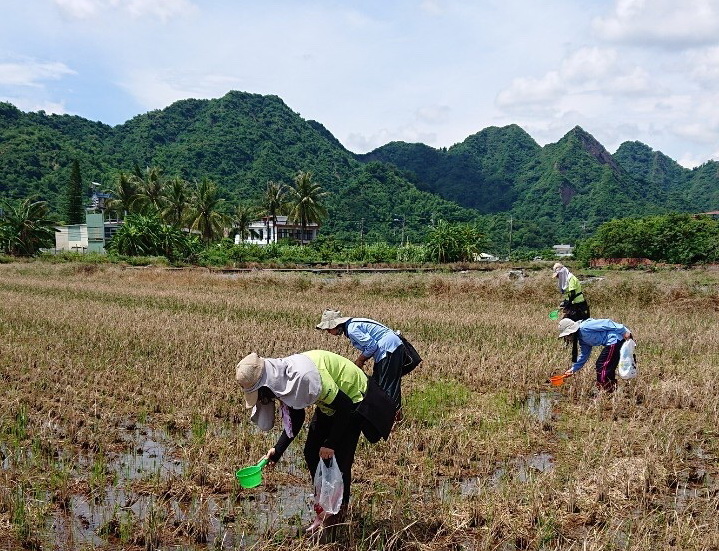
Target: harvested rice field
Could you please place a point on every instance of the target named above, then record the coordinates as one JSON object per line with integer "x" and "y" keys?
{"x": 121, "y": 424}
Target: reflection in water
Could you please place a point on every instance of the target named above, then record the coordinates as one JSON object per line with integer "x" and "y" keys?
{"x": 223, "y": 522}
{"x": 540, "y": 405}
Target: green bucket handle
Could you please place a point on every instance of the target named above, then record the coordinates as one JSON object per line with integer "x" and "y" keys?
{"x": 250, "y": 477}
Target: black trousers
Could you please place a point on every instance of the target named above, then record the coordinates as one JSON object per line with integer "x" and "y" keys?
{"x": 606, "y": 366}
{"x": 388, "y": 374}
{"x": 577, "y": 312}
{"x": 344, "y": 449}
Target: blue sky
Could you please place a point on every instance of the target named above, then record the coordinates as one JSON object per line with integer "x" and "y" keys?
{"x": 430, "y": 71}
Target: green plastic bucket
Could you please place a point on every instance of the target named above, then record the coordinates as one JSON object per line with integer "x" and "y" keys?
{"x": 554, "y": 315}
{"x": 250, "y": 477}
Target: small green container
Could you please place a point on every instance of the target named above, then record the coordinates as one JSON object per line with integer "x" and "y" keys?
{"x": 554, "y": 315}
{"x": 250, "y": 477}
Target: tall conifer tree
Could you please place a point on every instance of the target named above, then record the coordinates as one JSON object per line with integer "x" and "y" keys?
{"x": 74, "y": 208}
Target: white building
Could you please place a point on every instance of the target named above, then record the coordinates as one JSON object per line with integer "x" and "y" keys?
{"x": 563, "y": 250}
{"x": 261, "y": 229}
{"x": 83, "y": 238}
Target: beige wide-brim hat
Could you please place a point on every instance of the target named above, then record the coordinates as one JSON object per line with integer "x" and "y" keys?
{"x": 567, "y": 327}
{"x": 331, "y": 319}
{"x": 248, "y": 373}
{"x": 556, "y": 268}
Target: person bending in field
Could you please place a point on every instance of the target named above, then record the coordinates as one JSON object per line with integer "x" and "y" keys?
{"x": 584, "y": 335}
{"x": 575, "y": 305}
{"x": 373, "y": 340}
{"x": 348, "y": 402}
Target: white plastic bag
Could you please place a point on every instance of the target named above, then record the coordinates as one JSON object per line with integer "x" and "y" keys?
{"x": 627, "y": 368}
{"x": 329, "y": 487}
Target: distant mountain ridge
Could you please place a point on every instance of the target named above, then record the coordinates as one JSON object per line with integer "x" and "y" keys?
{"x": 559, "y": 192}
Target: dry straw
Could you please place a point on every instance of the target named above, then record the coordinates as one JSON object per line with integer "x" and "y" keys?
{"x": 98, "y": 363}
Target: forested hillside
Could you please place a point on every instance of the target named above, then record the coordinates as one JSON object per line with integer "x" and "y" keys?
{"x": 501, "y": 177}
{"x": 557, "y": 193}
{"x": 241, "y": 141}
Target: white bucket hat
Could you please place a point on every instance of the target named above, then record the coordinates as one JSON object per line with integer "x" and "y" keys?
{"x": 556, "y": 269}
{"x": 331, "y": 319}
{"x": 248, "y": 374}
{"x": 567, "y": 327}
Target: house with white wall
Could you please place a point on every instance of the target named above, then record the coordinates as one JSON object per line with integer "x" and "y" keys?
{"x": 563, "y": 250}
{"x": 265, "y": 231}
{"x": 90, "y": 237}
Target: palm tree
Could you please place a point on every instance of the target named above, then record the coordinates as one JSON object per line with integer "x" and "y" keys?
{"x": 274, "y": 202}
{"x": 177, "y": 202}
{"x": 306, "y": 201}
{"x": 25, "y": 227}
{"x": 242, "y": 217}
{"x": 123, "y": 198}
{"x": 150, "y": 189}
{"x": 205, "y": 214}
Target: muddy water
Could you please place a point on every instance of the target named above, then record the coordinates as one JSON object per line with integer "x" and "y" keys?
{"x": 542, "y": 405}
{"x": 218, "y": 522}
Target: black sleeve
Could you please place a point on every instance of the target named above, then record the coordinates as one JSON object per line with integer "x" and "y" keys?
{"x": 297, "y": 416}
{"x": 571, "y": 296}
{"x": 343, "y": 410}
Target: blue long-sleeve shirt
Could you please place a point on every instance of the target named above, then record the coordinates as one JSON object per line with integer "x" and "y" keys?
{"x": 371, "y": 338}
{"x": 597, "y": 332}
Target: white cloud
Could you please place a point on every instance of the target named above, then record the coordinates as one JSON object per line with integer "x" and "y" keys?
{"x": 588, "y": 70}
{"x": 661, "y": 23}
{"x": 525, "y": 91}
{"x": 431, "y": 7}
{"x": 27, "y": 104}
{"x": 433, "y": 114}
{"x": 409, "y": 133}
{"x": 704, "y": 67}
{"x": 32, "y": 73}
{"x": 155, "y": 90}
{"x": 161, "y": 9}
{"x": 81, "y": 9}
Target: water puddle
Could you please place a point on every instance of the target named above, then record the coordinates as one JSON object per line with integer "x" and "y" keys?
{"x": 522, "y": 469}
{"x": 528, "y": 466}
{"x": 542, "y": 405}
{"x": 149, "y": 456}
{"x": 117, "y": 512}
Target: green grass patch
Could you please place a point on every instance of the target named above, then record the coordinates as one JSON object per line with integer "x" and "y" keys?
{"x": 436, "y": 400}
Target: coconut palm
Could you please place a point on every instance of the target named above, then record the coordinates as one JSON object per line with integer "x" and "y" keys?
{"x": 242, "y": 217}
{"x": 206, "y": 214}
{"x": 25, "y": 227}
{"x": 123, "y": 196}
{"x": 274, "y": 202}
{"x": 177, "y": 202}
{"x": 306, "y": 201}
{"x": 150, "y": 189}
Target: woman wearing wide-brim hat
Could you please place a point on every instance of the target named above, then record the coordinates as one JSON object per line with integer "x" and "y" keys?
{"x": 373, "y": 340}
{"x": 584, "y": 335}
{"x": 348, "y": 403}
{"x": 575, "y": 305}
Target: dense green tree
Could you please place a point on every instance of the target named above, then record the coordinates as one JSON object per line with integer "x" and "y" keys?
{"x": 123, "y": 196}
{"x": 150, "y": 185}
{"x": 206, "y": 214}
{"x": 448, "y": 242}
{"x": 306, "y": 201}
{"x": 176, "y": 202}
{"x": 74, "y": 197}
{"x": 25, "y": 227}
{"x": 673, "y": 238}
{"x": 147, "y": 235}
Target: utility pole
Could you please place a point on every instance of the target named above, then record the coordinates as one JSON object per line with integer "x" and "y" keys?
{"x": 509, "y": 255}
{"x": 399, "y": 218}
